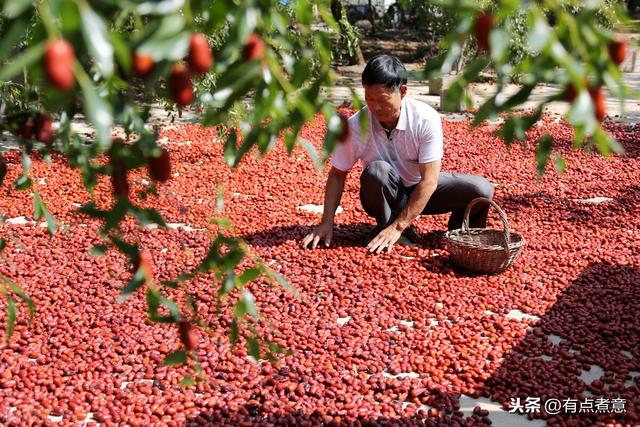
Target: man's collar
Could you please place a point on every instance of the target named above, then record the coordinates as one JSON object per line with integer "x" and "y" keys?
{"x": 402, "y": 121}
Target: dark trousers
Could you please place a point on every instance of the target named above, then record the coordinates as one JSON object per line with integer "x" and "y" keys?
{"x": 383, "y": 195}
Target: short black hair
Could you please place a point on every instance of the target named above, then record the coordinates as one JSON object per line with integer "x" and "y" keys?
{"x": 385, "y": 70}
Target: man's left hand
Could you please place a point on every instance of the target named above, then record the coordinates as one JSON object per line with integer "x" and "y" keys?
{"x": 385, "y": 239}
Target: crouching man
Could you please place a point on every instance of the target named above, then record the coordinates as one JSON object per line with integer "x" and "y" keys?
{"x": 401, "y": 155}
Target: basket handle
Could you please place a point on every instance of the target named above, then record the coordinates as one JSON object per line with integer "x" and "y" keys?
{"x": 503, "y": 217}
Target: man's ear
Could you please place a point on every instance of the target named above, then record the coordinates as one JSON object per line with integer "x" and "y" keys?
{"x": 403, "y": 91}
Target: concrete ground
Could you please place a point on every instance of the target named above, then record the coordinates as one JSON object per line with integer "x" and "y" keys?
{"x": 628, "y": 110}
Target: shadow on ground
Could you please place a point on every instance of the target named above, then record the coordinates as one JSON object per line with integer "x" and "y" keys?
{"x": 344, "y": 236}
{"x": 586, "y": 348}
{"x": 351, "y": 235}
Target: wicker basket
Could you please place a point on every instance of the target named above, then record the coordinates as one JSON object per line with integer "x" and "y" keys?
{"x": 482, "y": 249}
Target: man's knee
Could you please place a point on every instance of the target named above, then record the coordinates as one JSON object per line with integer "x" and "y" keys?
{"x": 482, "y": 187}
{"x": 376, "y": 173}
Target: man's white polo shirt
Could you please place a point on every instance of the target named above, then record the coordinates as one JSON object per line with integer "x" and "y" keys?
{"x": 416, "y": 139}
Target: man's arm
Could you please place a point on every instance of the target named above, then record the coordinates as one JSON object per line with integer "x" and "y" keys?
{"x": 332, "y": 195}
{"x": 414, "y": 207}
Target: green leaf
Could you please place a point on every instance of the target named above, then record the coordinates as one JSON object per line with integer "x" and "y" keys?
{"x": 605, "y": 143}
{"x": 26, "y": 162}
{"x": 228, "y": 284}
{"x": 253, "y": 347}
{"x": 454, "y": 95}
{"x": 153, "y": 301}
{"x": 543, "y": 151}
{"x": 169, "y": 42}
{"x": 148, "y": 216}
{"x": 291, "y": 137}
{"x": 246, "y": 305}
{"x": 91, "y": 210}
{"x": 249, "y": 302}
{"x": 25, "y": 60}
{"x": 11, "y": 316}
{"x": 539, "y": 36}
{"x": 450, "y": 57}
{"x": 40, "y": 210}
{"x": 98, "y": 111}
{"x": 499, "y": 42}
{"x": 184, "y": 276}
{"x": 99, "y": 250}
{"x": 171, "y": 49}
{"x": 223, "y": 223}
{"x": 121, "y": 51}
{"x": 275, "y": 348}
{"x": 309, "y": 148}
{"x": 37, "y": 206}
{"x": 172, "y": 306}
{"x": 230, "y": 149}
{"x": 14, "y": 8}
{"x": 126, "y": 248}
{"x": 581, "y": 110}
{"x": 3, "y": 244}
{"x": 560, "y": 163}
{"x": 473, "y": 68}
{"x": 160, "y": 7}
{"x": 579, "y": 136}
{"x": 11, "y": 37}
{"x": 211, "y": 259}
{"x": 22, "y": 183}
{"x": 51, "y": 222}
{"x": 231, "y": 259}
{"x": 521, "y": 96}
{"x": 191, "y": 303}
{"x": 170, "y": 284}
{"x": 136, "y": 281}
{"x": 249, "y": 275}
{"x": 187, "y": 381}
{"x": 233, "y": 332}
{"x": 219, "y": 199}
{"x": 270, "y": 356}
{"x": 486, "y": 110}
{"x": 96, "y": 38}
{"x": 303, "y": 12}
{"x": 116, "y": 214}
{"x": 240, "y": 309}
{"x": 236, "y": 79}
{"x": 70, "y": 17}
{"x": 17, "y": 289}
{"x": 176, "y": 358}
{"x": 507, "y": 130}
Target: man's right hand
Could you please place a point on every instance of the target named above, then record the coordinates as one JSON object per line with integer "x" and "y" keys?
{"x": 322, "y": 232}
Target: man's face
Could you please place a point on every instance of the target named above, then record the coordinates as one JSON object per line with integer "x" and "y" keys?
{"x": 384, "y": 103}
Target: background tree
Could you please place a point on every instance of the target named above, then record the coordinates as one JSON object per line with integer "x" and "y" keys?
{"x": 349, "y": 36}
{"x": 565, "y": 43}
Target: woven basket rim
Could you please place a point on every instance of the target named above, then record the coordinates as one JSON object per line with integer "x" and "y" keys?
{"x": 478, "y": 231}
{"x": 462, "y": 238}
